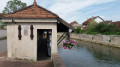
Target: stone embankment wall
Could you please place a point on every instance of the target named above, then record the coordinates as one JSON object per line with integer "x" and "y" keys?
{"x": 57, "y": 61}
{"x": 110, "y": 40}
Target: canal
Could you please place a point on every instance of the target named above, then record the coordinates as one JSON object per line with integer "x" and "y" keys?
{"x": 90, "y": 55}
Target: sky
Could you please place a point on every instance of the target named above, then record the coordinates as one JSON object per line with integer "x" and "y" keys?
{"x": 78, "y": 10}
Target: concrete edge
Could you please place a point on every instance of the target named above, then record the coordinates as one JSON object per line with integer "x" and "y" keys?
{"x": 57, "y": 61}
{"x": 101, "y": 43}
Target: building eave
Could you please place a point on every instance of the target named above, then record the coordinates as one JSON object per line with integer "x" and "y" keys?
{"x": 8, "y": 20}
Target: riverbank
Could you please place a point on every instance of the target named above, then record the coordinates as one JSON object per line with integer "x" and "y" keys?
{"x": 108, "y": 40}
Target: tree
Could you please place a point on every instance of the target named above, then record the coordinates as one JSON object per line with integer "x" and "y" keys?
{"x": 91, "y": 26}
{"x": 79, "y": 30}
{"x": 106, "y": 28}
{"x": 13, "y": 5}
{"x": 3, "y": 25}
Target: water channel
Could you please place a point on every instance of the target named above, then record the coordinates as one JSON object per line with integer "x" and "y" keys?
{"x": 90, "y": 55}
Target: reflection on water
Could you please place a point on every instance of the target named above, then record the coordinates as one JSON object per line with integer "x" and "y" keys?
{"x": 90, "y": 55}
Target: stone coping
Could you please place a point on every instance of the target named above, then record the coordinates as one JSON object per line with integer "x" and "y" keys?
{"x": 57, "y": 61}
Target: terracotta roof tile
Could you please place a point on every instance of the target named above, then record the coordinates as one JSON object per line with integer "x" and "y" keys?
{"x": 1, "y": 15}
{"x": 33, "y": 11}
{"x": 117, "y": 23}
{"x": 87, "y": 21}
{"x": 36, "y": 11}
{"x": 74, "y": 22}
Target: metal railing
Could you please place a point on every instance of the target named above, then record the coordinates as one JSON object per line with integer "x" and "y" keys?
{"x": 61, "y": 38}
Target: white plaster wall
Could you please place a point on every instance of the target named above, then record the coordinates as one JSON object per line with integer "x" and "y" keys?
{"x": 98, "y": 20}
{"x": 27, "y": 48}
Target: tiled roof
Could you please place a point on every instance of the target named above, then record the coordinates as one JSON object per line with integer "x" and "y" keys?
{"x": 87, "y": 21}
{"x": 36, "y": 11}
{"x": 77, "y": 25}
{"x": 117, "y": 23}
{"x": 1, "y": 14}
{"x": 74, "y": 22}
{"x": 32, "y": 11}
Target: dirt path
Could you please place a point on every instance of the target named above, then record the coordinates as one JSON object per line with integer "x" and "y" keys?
{"x": 5, "y": 62}
{"x": 17, "y": 63}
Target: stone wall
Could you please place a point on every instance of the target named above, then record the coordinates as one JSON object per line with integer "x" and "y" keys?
{"x": 110, "y": 40}
{"x": 57, "y": 61}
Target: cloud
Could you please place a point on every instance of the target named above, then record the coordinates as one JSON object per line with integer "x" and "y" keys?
{"x": 28, "y": 2}
{"x": 2, "y": 4}
{"x": 111, "y": 18}
{"x": 104, "y": 1}
{"x": 70, "y": 8}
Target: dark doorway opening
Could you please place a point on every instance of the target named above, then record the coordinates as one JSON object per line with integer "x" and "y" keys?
{"x": 44, "y": 37}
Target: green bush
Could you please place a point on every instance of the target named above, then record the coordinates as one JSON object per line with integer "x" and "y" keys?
{"x": 106, "y": 28}
{"x": 79, "y": 30}
{"x": 99, "y": 28}
{"x": 107, "y": 33}
{"x": 118, "y": 33}
{"x": 90, "y": 32}
{"x": 102, "y": 28}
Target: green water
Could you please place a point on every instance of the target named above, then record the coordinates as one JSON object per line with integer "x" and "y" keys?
{"x": 90, "y": 55}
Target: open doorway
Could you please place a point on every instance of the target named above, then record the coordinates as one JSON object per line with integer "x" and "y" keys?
{"x": 44, "y": 37}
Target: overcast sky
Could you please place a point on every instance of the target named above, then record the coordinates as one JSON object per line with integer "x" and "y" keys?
{"x": 78, "y": 10}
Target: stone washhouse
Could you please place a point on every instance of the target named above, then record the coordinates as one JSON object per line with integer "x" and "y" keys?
{"x": 32, "y": 32}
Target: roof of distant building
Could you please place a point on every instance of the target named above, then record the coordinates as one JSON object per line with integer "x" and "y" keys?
{"x": 117, "y": 23}
{"x": 74, "y": 22}
{"x": 88, "y": 20}
{"x": 77, "y": 25}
